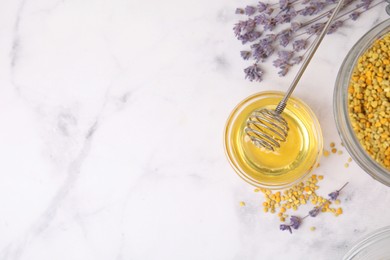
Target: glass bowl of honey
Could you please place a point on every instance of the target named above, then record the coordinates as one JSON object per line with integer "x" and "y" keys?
{"x": 360, "y": 95}
{"x": 285, "y": 166}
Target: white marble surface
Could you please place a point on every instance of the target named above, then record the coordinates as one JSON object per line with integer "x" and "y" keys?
{"x": 112, "y": 113}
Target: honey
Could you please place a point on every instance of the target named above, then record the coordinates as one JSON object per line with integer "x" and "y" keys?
{"x": 296, "y": 157}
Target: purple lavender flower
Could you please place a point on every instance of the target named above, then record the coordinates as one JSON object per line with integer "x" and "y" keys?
{"x": 282, "y": 18}
{"x": 334, "y": 26}
{"x": 284, "y": 40}
{"x": 238, "y": 28}
{"x": 285, "y": 55}
{"x": 269, "y": 10}
{"x": 269, "y": 24}
{"x": 260, "y": 19}
{"x": 365, "y": 4}
{"x": 283, "y": 71}
{"x": 284, "y": 37}
{"x": 335, "y": 194}
{"x": 270, "y": 38}
{"x": 250, "y": 25}
{"x": 295, "y": 26}
{"x": 262, "y": 50}
{"x": 262, "y": 6}
{"x": 249, "y": 37}
{"x": 284, "y": 227}
{"x": 296, "y": 60}
{"x": 315, "y": 28}
{"x": 314, "y": 212}
{"x": 240, "y": 11}
{"x": 283, "y": 4}
{"x": 299, "y": 45}
{"x": 354, "y": 15}
{"x": 308, "y": 10}
{"x": 245, "y": 54}
{"x": 254, "y": 73}
{"x": 250, "y": 10}
{"x": 279, "y": 63}
{"x": 295, "y": 222}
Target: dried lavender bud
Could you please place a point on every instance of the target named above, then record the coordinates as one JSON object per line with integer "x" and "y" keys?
{"x": 296, "y": 60}
{"x": 284, "y": 227}
{"x": 334, "y": 26}
{"x": 284, "y": 70}
{"x": 315, "y": 28}
{"x": 283, "y": 18}
{"x": 285, "y": 55}
{"x": 245, "y": 54}
{"x": 270, "y": 38}
{"x": 365, "y": 4}
{"x": 249, "y": 37}
{"x": 314, "y": 212}
{"x": 253, "y": 73}
{"x": 269, "y": 24}
{"x": 269, "y": 10}
{"x": 295, "y": 222}
{"x": 240, "y": 11}
{"x": 250, "y": 25}
{"x": 262, "y": 50}
{"x": 299, "y": 45}
{"x": 262, "y": 6}
{"x": 284, "y": 40}
{"x": 295, "y": 26}
{"x": 279, "y": 63}
{"x": 308, "y": 10}
{"x": 261, "y": 19}
{"x": 250, "y": 10}
{"x": 283, "y": 4}
{"x": 354, "y": 15}
{"x": 238, "y": 28}
{"x": 335, "y": 194}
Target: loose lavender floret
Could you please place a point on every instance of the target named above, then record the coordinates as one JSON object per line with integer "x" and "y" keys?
{"x": 314, "y": 212}
{"x": 296, "y": 60}
{"x": 335, "y": 194}
{"x": 245, "y": 54}
{"x": 295, "y": 222}
{"x": 354, "y": 15}
{"x": 333, "y": 27}
{"x": 254, "y": 73}
{"x": 250, "y": 10}
{"x": 284, "y": 227}
{"x": 262, "y": 6}
{"x": 299, "y": 45}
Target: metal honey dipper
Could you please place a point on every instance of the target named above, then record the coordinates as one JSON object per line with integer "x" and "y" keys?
{"x": 267, "y": 128}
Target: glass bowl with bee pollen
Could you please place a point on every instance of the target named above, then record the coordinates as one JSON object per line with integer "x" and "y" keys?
{"x": 361, "y": 102}
{"x": 285, "y": 166}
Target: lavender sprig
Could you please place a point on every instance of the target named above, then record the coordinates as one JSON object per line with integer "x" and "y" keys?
{"x": 295, "y": 223}
{"x": 305, "y": 18}
{"x": 335, "y": 194}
